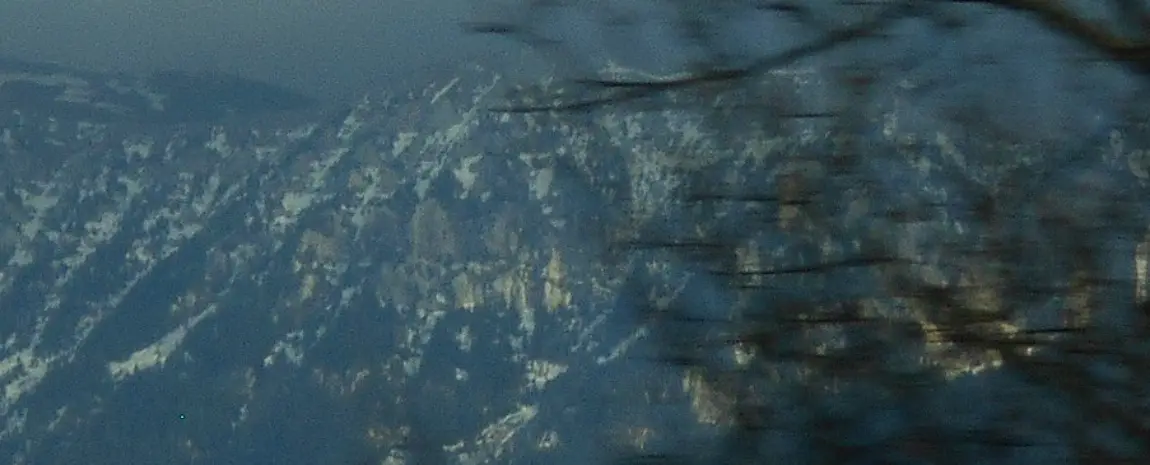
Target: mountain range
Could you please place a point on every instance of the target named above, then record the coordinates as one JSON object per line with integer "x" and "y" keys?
{"x": 211, "y": 270}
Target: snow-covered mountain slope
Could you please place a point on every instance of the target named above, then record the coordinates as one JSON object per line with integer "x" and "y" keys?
{"x": 410, "y": 278}
{"x": 304, "y": 289}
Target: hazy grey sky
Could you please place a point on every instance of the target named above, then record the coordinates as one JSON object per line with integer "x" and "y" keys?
{"x": 341, "y": 48}
{"x": 331, "y": 47}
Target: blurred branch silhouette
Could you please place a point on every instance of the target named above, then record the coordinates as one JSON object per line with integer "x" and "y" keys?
{"x": 970, "y": 296}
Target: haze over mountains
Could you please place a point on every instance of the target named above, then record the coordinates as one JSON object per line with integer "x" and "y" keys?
{"x": 332, "y": 50}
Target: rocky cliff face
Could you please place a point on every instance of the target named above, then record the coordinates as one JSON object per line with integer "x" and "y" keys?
{"x": 410, "y": 278}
